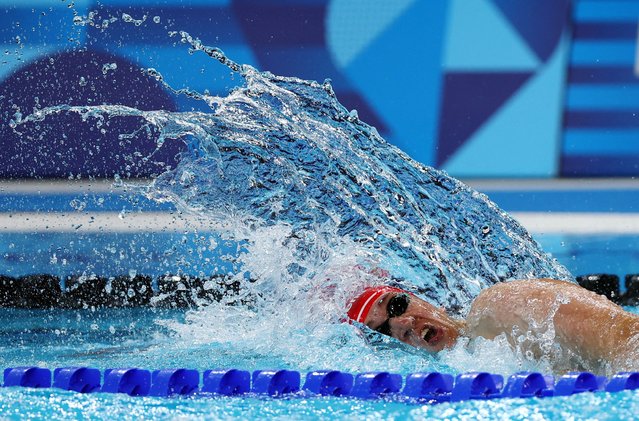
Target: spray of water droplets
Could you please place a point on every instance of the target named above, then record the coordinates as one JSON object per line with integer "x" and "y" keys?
{"x": 319, "y": 200}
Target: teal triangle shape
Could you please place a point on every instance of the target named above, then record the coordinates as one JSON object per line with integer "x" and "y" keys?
{"x": 523, "y": 138}
{"x": 480, "y": 38}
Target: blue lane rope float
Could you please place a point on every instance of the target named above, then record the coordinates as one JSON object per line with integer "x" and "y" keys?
{"x": 418, "y": 388}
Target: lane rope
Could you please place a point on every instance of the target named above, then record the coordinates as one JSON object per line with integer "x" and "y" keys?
{"x": 417, "y": 388}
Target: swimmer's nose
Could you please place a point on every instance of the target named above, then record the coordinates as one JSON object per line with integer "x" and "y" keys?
{"x": 402, "y": 323}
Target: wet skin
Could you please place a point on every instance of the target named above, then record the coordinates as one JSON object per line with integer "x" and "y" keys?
{"x": 583, "y": 322}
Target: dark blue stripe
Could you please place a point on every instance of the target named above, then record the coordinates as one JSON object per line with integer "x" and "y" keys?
{"x": 589, "y": 74}
{"x": 602, "y": 119}
{"x": 603, "y": 166}
{"x": 623, "y": 201}
{"x": 63, "y": 203}
{"x": 605, "y": 30}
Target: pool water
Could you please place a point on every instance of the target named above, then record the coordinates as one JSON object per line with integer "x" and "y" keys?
{"x": 103, "y": 349}
{"x": 52, "y": 404}
{"x": 154, "y": 338}
{"x": 147, "y": 338}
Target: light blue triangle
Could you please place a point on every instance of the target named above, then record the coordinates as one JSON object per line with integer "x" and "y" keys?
{"x": 351, "y": 25}
{"x": 480, "y": 38}
{"x": 522, "y": 139}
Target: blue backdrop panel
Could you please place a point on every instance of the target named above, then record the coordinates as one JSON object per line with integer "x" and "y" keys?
{"x": 471, "y": 87}
{"x": 601, "y": 121}
{"x": 505, "y": 102}
{"x": 476, "y": 96}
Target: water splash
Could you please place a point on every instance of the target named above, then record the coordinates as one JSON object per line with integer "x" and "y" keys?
{"x": 284, "y": 152}
{"x": 318, "y": 199}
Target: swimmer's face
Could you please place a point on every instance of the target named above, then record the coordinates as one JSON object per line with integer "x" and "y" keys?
{"x": 413, "y": 321}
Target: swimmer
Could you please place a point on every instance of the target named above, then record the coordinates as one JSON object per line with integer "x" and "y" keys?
{"x": 587, "y": 326}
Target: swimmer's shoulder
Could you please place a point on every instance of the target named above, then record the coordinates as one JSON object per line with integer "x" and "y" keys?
{"x": 524, "y": 288}
{"x": 548, "y": 289}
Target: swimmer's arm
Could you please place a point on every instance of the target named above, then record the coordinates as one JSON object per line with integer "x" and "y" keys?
{"x": 584, "y": 322}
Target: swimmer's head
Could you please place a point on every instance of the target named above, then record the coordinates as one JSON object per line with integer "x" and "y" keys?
{"x": 400, "y": 314}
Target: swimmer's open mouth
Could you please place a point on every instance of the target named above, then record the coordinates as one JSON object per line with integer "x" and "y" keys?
{"x": 431, "y": 335}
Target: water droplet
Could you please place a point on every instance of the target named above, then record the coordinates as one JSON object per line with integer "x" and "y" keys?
{"x": 107, "y": 67}
{"x": 78, "y": 205}
{"x": 156, "y": 19}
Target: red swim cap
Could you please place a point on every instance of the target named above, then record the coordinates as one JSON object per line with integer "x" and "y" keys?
{"x": 362, "y": 305}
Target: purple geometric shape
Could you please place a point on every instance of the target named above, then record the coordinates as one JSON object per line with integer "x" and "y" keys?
{"x": 289, "y": 38}
{"x": 539, "y": 22}
{"x": 63, "y": 144}
{"x": 469, "y": 100}
{"x": 270, "y": 23}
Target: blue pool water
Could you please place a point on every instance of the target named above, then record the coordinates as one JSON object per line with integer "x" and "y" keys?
{"x": 58, "y": 405}
{"x": 111, "y": 338}
{"x": 156, "y": 338}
